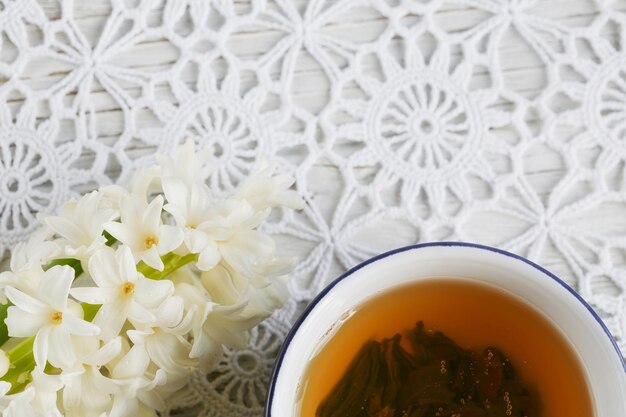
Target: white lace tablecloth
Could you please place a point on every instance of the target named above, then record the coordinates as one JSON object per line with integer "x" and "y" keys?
{"x": 492, "y": 121}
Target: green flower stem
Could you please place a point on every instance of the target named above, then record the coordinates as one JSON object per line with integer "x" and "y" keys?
{"x": 171, "y": 263}
{"x": 90, "y": 311}
{"x": 4, "y": 331}
{"x": 22, "y": 362}
{"x": 71, "y": 262}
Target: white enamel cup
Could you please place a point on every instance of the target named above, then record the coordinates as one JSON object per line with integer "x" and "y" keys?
{"x": 601, "y": 359}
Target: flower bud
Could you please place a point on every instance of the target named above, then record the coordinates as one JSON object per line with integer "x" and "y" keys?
{"x": 4, "y": 363}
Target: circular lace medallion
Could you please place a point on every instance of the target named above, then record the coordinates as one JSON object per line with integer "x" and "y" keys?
{"x": 605, "y": 101}
{"x": 30, "y": 182}
{"x": 423, "y": 126}
{"x": 233, "y": 136}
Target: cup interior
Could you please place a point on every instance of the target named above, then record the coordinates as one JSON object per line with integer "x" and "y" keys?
{"x": 600, "y": 357}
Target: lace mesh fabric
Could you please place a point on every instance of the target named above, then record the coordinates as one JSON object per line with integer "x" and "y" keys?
{"x": 493, "y": 121}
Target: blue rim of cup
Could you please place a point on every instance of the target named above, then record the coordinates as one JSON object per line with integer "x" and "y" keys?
{"x": 329, "y": 287}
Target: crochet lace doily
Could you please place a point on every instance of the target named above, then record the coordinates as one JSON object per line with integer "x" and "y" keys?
{"x": 492, "y": 121}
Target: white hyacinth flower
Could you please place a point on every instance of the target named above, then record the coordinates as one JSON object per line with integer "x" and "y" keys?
{"x": 137, "y": 396}
{"x": 240, "y": 245}
{"x": 230, "y": 225}
{"x": 46, "y": 388}
{"x": 142, "y": 184}
{"x": 5, "y": 387}
{"x": 262, "y": 189}
{"x": 192, "y": 206}
{"x": 228, "y": 325}
{"x": 216, "y": 231}
{"x": 163, "y": 343}
{"x": 20, "y": 405}
{"x": 123, "y": 292}
{"x": 80, "y": 223}
{"x": 205, "y": 348}
{"x": 187, "y": 165}
{"x": 148, "y": 335}
{"x": 50, "y": 317}
{"x": 142, "y": 230}
{"x": 38, "y": 250}
{"x": 215, "y": 325}
{"x": 26, "y": 281}
{"x": 4, "y": 363}
{"x": 227, "y": 287}
{"x": 27, "y": 259}
{"x": 87, "y": 392}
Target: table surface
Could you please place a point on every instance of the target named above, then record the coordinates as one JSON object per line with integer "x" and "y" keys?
{"x": 491, "y": 121}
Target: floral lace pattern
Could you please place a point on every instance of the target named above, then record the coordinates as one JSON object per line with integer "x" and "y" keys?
{"x": 496, "y": 121}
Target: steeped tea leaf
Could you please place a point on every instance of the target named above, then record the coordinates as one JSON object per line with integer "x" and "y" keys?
{"x": 434, "y": 378}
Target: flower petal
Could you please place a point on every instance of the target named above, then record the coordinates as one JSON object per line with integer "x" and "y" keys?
{"x": 93, "y": 295}
{"x": 127, "y": 265}
{"x": 24, "y": 324}
{"x": 221, "y": 285}
{"x": 139, "y": 314}
{"x": 61, "y": 352}
{"x": 4, "y": 388}
{"x": 85, "y": 345}
{"x": 151, "y": 258}
{"x": 195, "y": 240}
{"x": 68, "y": 229}
{"x": 185, "y": 325}
{"x": 169, "y": 353}
{"x": 151, "y": 293}
{"x": 4, "y": 364}
{"x": 124, "y": 406}
{"x": 25, "y": 301}
{"x": 79, "y": 327}
{"x": 149, "y": 396}
{"x": 102, "y": 268}
{"x": 106, "y": 353}
{"x": 41, "y": 345}
{"x": 110, "y": 318}
{"x": 130, "y": 210}
{"x": 246, "y": 248}
{"x": 96, "y": 392}
{"x": 170, "y": 312}
{"x": 133, "y": 365}
{"x": 142, "y": 180}
{"x": 170, "y": 237}
{"x": 124, "y": 234}
{"x": 209, "y": 257}
{"x": 72, "y": 391}
{"x": 20, "y": 406}
{"x": 55, "y": 285}
{"x": 152, "y": 214}
{"x": 208, "y": 351}
{"x": 138, "y": 337}
{"x": 176, "y": 193}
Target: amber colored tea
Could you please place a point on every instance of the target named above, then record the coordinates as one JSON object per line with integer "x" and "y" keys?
{"x": 475, "y": 316}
